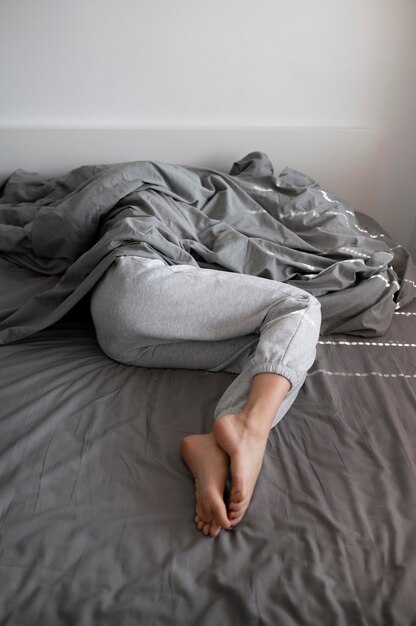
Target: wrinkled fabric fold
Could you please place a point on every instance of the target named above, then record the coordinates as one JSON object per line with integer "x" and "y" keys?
{"x": 284, "y": 228}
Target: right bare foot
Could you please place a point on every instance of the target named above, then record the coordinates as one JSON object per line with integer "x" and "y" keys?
{"x": 209, "y": 465}
{"x": 245, "y": 446}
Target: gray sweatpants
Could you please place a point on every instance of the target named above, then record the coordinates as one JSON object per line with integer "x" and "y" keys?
{"x": 151, "y": 314}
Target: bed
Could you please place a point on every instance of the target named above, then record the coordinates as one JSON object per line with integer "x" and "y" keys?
{"x": 96, "y": 506}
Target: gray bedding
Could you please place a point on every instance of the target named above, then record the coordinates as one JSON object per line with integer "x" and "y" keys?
{"x": 96, "y": 506}
{"x": 57, "y": 237}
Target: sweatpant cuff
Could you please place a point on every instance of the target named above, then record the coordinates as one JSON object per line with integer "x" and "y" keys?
{"x": 274, "y": 368}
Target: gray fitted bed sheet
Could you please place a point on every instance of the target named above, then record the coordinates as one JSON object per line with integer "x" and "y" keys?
{"x": 96, "y": 506}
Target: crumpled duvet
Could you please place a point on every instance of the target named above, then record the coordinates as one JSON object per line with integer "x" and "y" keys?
{"x": 58, "y": 236}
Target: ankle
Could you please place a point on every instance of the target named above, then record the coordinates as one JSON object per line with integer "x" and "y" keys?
{"x": 265, "y": 397}
{"x": 249, "y": 423}
{"x": 256, "y": 424}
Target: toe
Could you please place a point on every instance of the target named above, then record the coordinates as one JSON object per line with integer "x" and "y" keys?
{"x": 236, "y": 507}
{"x": 237, "y": 492}
{"x": 236, "y": 520}
{"x": 215, "y": 530}
{"x": 236, "y": 512}
{"x": 220, "y": 514}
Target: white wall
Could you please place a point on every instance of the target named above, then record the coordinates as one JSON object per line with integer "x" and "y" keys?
{"x": 187, "y": 62}
{"x": 395, "y": 116}
{"x": 112, "y": 63}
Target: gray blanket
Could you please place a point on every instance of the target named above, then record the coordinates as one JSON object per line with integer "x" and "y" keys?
{"x": 96, "y": 506}
{"x": 58, "y": 236}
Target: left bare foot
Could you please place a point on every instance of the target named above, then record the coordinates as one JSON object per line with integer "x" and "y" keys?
{"x": 209, "y": 465}
{"x": 245, "y": 444}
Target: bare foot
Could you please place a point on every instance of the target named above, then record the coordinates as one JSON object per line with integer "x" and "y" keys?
{"x": 245, "y": 446}
{"x": 209, "y": 465}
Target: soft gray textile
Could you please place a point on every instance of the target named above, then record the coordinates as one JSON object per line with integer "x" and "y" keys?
{"x": 57, "y": 237}
{"x": 150, "y": 314}
{"x": 96, "y": 506}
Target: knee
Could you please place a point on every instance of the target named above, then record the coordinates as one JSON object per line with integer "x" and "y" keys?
{"x": 308, "y": 308}
{"x": 305, "y": 301}
{"x": 313, "y": 313}
{"x": 314, "y": 307}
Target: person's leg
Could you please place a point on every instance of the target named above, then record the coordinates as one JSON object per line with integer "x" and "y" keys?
{"x": 264, "y": 391}
{"x": 153, "y": 315}
{"x": 136, "y": 291}
{"x": 149, "y": 314}
{"x": 243, "y": 435}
